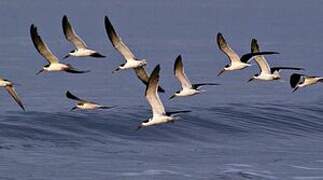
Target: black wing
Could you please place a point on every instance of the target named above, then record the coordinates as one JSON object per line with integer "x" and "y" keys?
{"x": 273, "y": 69}
{"x": 71, "y": 96}
{"x": 246, "y": 57}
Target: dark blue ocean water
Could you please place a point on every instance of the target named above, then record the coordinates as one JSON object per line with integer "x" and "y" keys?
{"x": 238, "y": 130}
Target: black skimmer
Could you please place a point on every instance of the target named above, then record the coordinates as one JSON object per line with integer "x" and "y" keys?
{"x": 84, "y": 104}
{"x": 188, "y": 89}
{"x": 54, "y": 64}
{"x": 236, "y": 62}
{"x": 266, "y": 72}
{"x": 81, "y": 49}
{"x": 160, "y": 116}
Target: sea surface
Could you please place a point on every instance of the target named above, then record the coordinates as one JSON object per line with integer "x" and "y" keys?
{"x": 236, "y": 131}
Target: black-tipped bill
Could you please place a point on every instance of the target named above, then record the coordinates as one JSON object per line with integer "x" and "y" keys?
{"x": 117, "y": 69}
{"x": 40, "y": 71}
{"x": 139, "y": 127}
{"x": 251, "y": 79}
{"x": 295, "y": 89}
{"x": 73, "y": 108}
{"x": 66, "y": 56}
{"x": 172, "y": 97}
{"x": 222, "y": 71}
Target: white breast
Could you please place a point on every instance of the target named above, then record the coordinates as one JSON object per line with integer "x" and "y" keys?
{"x": 267, "y": 77}
{"x": 187, "y": 92}
{"x": 237, "y": 66}
{"x": 132, "y": 64}
{"x": 159, "y": 119}
{"x": 56, "y": 67}
{"x": 88, "y": 106}
{"x": 82, "y": 52}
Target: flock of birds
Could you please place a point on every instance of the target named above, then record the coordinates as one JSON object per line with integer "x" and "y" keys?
{"x": 160, "y": 115}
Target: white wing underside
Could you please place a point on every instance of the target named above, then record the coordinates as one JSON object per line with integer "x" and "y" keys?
{"x": 71, "y": 35}
{"x": 181, "y": 76}
{"x": 227, "y": 50}
{"x": 117, "y": 42}
{"x": 153, "y": 97}
{"x": 42, "y": 47}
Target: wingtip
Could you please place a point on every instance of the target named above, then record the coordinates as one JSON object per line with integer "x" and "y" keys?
{"x": 178, "y": 59}
{"x": 157, "y": 68}
{"x": 23, "y": 108}
{"x": 107, "y": 21}
{"x": 254, "y": 42}
{"x": 67, "y": 93}
{"x": 64, "y": 19}
{"x": 220, "y": 40}
{"x": 106, "y": 18}
{"x": 33, "y": 28}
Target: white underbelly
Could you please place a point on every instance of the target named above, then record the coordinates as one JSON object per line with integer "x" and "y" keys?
{"x": 132, "y": 64}
{"x": 237, "y": 66}
{"x": 56, "y": 67}
{"x": 188, "y": 92}
{"x": 88, "y": 106}
{"x": 83, "y": 52}
{"x": 159, "y": 120}
{"x": 268, "y": 77}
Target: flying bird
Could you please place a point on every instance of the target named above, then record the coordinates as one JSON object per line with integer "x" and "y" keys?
{"x": 301, "y": 80}
{"x": 131, "y": 60}
{"x": 85, "y": 105}
{"x": 54, "y": 64}
{"x": 8, "y": 85}
{"x": 121, "y": 47}
{"x": 81, "y": 49}
{"x": 236, "y": 62}
{"x": 188, "y": 89}
{"x": 160, "y": 116}
{"x": 266, "y": 72}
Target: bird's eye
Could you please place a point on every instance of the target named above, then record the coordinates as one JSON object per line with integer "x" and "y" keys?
{"x": 227, "y": 66}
